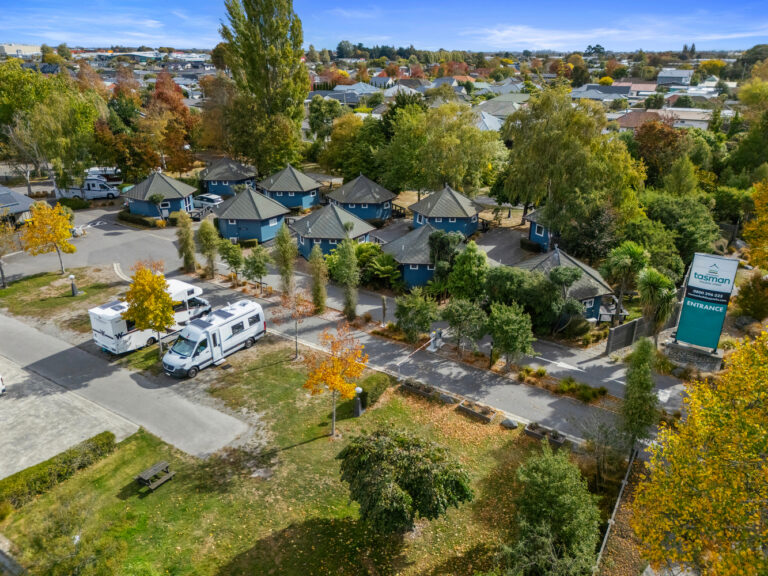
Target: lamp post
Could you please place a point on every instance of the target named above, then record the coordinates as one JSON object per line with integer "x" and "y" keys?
{"x": 358, "y": 402}
{"x": 74, "y": 286}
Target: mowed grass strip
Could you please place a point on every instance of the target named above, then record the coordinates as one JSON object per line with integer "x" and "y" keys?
{"x": 214, "y": 518}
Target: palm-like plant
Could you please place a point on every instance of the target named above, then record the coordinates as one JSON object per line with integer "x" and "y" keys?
{"x": 657, "y": 297}
{"x": 621, "y": 268}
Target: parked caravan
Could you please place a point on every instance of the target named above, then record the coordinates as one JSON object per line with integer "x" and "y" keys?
{"x": 93, "y": 188}
{"x": 209, "y": 340}
{"x": 116, "y": 335}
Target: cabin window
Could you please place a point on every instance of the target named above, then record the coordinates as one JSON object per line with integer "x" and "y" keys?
{"x": 233, "y": 239}
{"x": 317, "y": 241}
{"x": 588, "y": 303}
{"x": 363, "y": 205}
{"x": 418, "y": 218}
{"x": 351, "y": 206}
{"x": 273, "y": 221}
{"x": 301, "y": 240}
{"x": 253, "y": 320}
{"x": 313, "y": 193}
{"x": 539, "y": 231}
{"x": 386, "y": 204}
{"x": 200, "y": 347}
{"x": 290, "y": 194}
{"x": 278, "y": 193}
{"x": 438, "y": 219}
{"x": 451, "y": 219}
{"x": 361, "y": 240}
{"x": 165, "y": 204}
{"x": 414, "y": 266}
{"x": 430, "y": 267}
{"x": 214, "y": 182}
{"x": 237, "y": 328}
{"x": 332, "y": 241}
{"x": 130, "y": 325}
{"x": 233, "y": 222}
{"x": 474, "y": 218}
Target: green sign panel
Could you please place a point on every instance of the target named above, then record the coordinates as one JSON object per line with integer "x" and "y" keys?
{"x": 707, "y": 292}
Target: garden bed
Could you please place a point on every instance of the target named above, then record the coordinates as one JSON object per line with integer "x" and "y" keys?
{"x": 483, "y": 413}
{"x": 534, "y": 430}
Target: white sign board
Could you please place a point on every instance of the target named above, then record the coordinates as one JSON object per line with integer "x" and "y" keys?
{"x": 713, "y": 273}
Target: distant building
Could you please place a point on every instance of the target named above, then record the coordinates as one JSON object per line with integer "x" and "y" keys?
{"x": 446, "y": 210}
{"x": 14, "y": 206}
{"x": 176, "y": 196}
{"x": 250, "y": 215}
{"x": 412, "y": 254}
{"x": 291, "y": 187}
{"x": 224, "y": 174}
{"x": 328, "y": 227}
{"x": 673, "y": 76}
{"x": 25, "y": 51}
{"x": 537, "y": 232}
{"x": 364, "y": 198}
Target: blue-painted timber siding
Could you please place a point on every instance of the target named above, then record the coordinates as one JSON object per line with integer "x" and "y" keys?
{"x": 418, "y": 277}
{"x": 466, "y": 226}
{"x": 224, "y": 187}
{"x": 249, "y": 229}
{"x": 541, "y": 239}
{"x": 301, "y": 200}
{"x": 594, "y": 310}
{"x": 144, "y": 208}
{"x": 380, "y": 211}
{"x": 306, "y": 244}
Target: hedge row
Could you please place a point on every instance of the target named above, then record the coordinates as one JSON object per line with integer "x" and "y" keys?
{"x": 75, "y": 203}
{"x": 23, "y": 486}
{"x": 147, "y": 221}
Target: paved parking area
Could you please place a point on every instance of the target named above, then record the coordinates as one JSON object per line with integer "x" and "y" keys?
{"x": 38, "y": 420}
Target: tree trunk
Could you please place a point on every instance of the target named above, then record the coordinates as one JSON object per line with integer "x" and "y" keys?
{"x": 29, "y": 183}
{"x": 656, "y": 340}
{"x": 61, "y": 262}
{"x": 296, "y": 339}
{"x": 333, "y": 415}
{"x": 525, "y": 213}
{"x": 159, "y": 345}
{"x": 617, "y": 312}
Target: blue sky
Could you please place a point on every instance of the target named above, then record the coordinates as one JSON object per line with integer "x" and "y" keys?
{"x": 431, "y": 24}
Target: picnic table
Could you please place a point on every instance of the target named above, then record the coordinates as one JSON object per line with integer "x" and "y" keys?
{"x": 156, "y": 475}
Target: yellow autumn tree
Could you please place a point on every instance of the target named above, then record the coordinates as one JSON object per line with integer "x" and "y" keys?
{"x": 7, "y": 243}
{"x": 338, "y": 369}
{"x": 756, "y": 230}
{"x": 150, "y": 306}
{"x": 703, "y": 504}
{"x": 49, "y": 229}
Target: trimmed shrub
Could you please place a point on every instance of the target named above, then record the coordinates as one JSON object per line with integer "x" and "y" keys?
{"x": 75, "y": 203}
{"x": 145, "y": 221}
{"x": 22, "y": 487}
{"x": 577, "y": 328}
{"x": 568, "y": 386}
{"x": 250, "y": 243}
{"x": 173, "y": 218}
{"x": 752, "y": 299}
{"x": 541, "y": 372}
{"x": 159, "y": 223}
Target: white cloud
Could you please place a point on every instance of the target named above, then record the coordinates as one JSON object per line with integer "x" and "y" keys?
{"x": 356, "y": 14}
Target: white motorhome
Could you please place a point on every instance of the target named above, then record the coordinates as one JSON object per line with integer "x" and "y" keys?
{"x": 92, "y": 189}
{"x": 209, "y": 340}
{"x": 116, "y": 335}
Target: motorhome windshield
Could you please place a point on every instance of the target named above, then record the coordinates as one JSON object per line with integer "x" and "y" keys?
{"x": 183, "y": 346}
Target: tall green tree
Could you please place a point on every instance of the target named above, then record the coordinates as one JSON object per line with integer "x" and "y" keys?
{"x": 639, "y": 411}
{"x": 621, "y": 268}
{"x": 348, "y": 275}
{"x": 467, "y": 321}
{"x": 558, "y": 519}
{"x": 319, "y": 271}
{"x": 186, "y": 241}
{"x": 681, "y": 179}
{"x": 510, "y": 328}
{"x": 207, "y": 240}
{"x": 415, "y": 313}
{"x": 468, "y": 274}
{"x": 255, "y": 265}
{"x": 322, "y": 113}
{"x": 285, "y": 255}
{"x": 232, "y": 255}
{"x": 657, "y": 297}
{"x": 264, "y": 51}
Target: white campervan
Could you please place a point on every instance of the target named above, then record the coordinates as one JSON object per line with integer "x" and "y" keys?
{"x": 208, "y": 340}
{"x": 118, "y": 336}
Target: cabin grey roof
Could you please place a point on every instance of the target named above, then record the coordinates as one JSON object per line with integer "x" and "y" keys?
{"x": 14, "y": 202}
{"x": 413, "y": 248}
{"x": 251, "y": 205}
{"x": 590, "y": 285}
{"x": 450, "y": 80}
{"x": 362, "y": 190}
{"x": 673, "y": 75}
{"x": 160, "y": 184}
{"x": 359, "y": 87}
{"x": 534, "y": 217}
{"x": 289, "y": 180}
{"x": 328, "y": 223}
{"x": 623, "y": 90}
{"x": 228, "y": 170}
{"x": 445, "y": 204}
{"x": 414, "y": 83}
{"x": 504, "y": 105}
{"x": 488, "y": 122}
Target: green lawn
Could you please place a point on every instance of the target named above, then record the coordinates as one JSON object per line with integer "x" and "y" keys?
{"x": 214, "y": 518}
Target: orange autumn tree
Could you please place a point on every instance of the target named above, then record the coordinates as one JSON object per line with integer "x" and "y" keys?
{"x": 49, "y": 229}
{"x": 704, "y": 502}
{"x": 338, "y": 370}
{"x": 756, "y": 230}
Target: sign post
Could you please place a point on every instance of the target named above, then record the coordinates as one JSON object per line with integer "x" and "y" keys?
{"x": 707, "y": 292}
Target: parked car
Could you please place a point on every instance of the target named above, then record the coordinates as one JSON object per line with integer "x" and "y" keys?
{"x": 207, "y": 201}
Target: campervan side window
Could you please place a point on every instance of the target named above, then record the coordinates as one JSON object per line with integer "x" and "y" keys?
{"x": 130, "y": 324}
{"x": 254, "y": 320}
{"x": 237, "y": 328}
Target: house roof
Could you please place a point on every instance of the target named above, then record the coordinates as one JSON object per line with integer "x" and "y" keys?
{"x": 636, "y": 118}
{"x": 399, "y": 89}
{"x": 445, "y": 204}
{"x": 158, "y": 183}
{"x": 590, "y": 285}
{"x": 227, "y": 169}
{"x": 489, "y": 122}
{"x": 14, "y": 202}
{"x": 533, "y": 217}
{"x": 413, "y": 248}
{"x": 328, "y": 222}
{"x": 622, "y": 89}
{"x": 362, "y": 190}
{"x": 289, "y": 180}
{"x": 251, "y": 205}
{"x": 359, "y": 87}
{"x": 504, "y": 105}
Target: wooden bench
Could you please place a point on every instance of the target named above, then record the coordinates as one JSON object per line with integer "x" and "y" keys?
{"x": 155, "y": 476}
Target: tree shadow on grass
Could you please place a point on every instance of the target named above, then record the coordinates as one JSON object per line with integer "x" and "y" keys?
{"x": 321, "y": 546}
{"x": 479, "y": 558}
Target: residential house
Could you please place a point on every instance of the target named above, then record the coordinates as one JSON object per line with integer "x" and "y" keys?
{"x": 360, "y": 88}
{"x": 412, "y": 254}
{"x": 222, "y": 175}
{"x": 14, "y": 206}
{"x": 390, "y": 93}
{"x": 364, "y": 198}
{"x": 383, "y": 82}
{"x": 328, "y": 227}
{"x": 418, "y": 84}
{"x": 250, "y": 215}
{"x": 488, "y": 122}
{"x": 600, "y": 93}
{"x": 292, "y": 188}
{"x": 591, "y": 289}
{"x": 673, "y": 76}
{"x": 638, "y": 88}
{"x": 446, "y": 210}
{"x": 537, "y": 232}
{"x": 174, "y": 196}
{"x": 504, "y": 105}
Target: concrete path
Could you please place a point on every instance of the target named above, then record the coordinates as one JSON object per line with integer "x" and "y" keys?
{"x": 195, "y": 429}
{"x": 38, "y": 421}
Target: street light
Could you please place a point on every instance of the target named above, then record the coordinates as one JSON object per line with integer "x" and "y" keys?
{"x": 358, "y": 402}
{"x": 74, "y": 287}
